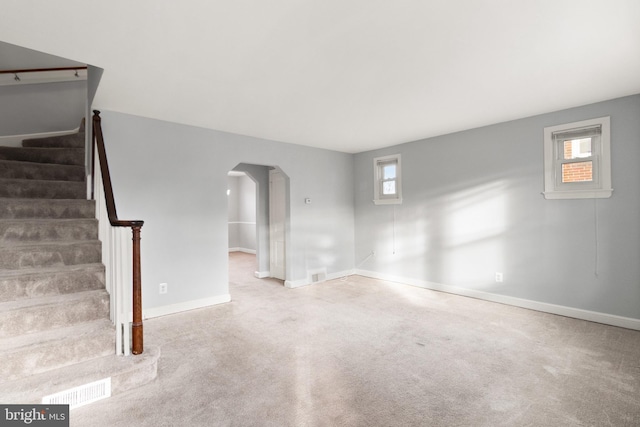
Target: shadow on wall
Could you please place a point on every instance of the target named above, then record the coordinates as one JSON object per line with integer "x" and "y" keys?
{"x": 432, "y": 235}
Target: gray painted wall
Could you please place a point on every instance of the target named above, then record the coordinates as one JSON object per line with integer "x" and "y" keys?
{"x": 174, "y": 177}
{"x": 473, "y": 207}
{"x": 13, "y": 57}
{"x": 44, "y": 107}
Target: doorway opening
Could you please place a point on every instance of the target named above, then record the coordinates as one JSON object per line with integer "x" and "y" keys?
{"x": 258, "y": 209}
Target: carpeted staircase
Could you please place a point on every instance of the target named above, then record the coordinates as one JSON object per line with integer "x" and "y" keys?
{"x": 55, "y": 331}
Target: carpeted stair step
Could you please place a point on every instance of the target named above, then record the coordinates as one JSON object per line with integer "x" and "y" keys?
{"x": 26, "y": 256}
{"x": 44, "y": 171}
{"x": 15, "y": 208}
{"x": 55, "y": 331}
{"x": 60, "y": 156}
{"x": 40, "y": 282}
{"x": 33, "y": 315}
{"x": 126, "y": 373}
{"x": 74, "y": 140}
{"x": 40, "y": 352}
{"x": 47, "y": 230}
{"x": 42, "y": 189}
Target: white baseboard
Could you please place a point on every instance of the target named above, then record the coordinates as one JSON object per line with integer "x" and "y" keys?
{"x": 261, "y": 274}
{"x": 577, "y": 313}
{"x": 340, "y": 274}
{"x": 307, "y": 281}
{"x": 245, "y": 250}
{"x": 184, "y": 306}
{"x": 16, "y": 140}
{"x": 295, "y": 283}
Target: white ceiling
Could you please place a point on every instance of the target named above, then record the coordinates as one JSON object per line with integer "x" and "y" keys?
{"x": 347, "y": 75}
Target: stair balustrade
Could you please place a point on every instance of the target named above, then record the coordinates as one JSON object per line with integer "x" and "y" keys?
{"x": 116, "y": 246}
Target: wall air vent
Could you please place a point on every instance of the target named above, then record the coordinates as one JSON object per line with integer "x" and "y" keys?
{"x": 317, "y": 275}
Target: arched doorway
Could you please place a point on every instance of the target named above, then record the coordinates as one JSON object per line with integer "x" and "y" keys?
{"x": 258, "y": 197}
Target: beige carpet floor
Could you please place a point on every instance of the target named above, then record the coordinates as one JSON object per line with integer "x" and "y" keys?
{"x": 362, "y": 352}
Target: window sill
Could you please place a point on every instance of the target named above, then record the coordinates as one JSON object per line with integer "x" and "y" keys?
{"x": 578, "y": 194}
{"x": 387, "y": 201}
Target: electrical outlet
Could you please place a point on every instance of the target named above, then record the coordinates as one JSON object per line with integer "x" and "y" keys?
{"x": 499, "y": 277}
{"x": 164, "y": 288}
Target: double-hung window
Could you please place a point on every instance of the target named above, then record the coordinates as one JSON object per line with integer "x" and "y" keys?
{"x": 387, "y": 180}
{"x": 577, "y": 160}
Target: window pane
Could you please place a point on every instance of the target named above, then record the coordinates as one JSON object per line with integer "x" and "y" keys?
{"x": 389, "y": 187}
{"x": 577, "y": 148}
{"x": 577, "y": 172}
{"x": 389, "y": 171}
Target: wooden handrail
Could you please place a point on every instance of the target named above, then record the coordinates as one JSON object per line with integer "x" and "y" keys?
{"x": 41, "y": 70}
{"x": 136, "y": 225}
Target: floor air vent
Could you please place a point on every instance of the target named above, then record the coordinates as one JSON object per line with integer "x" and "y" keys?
{"x": 81, "y": 395}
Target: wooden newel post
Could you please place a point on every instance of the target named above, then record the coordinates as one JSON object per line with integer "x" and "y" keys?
{"x": 136, "y": 327}
{"x": 136, "y": 225}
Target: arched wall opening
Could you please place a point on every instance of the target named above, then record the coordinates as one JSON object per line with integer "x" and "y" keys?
{"x": 258, "y": 197}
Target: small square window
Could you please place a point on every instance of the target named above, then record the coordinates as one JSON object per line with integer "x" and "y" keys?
{"x": 387, "y": 183}
{"x": 577, "y": 160}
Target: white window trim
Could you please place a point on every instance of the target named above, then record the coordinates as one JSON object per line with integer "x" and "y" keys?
{"x": 601, "y": 156}
{"x": 378, "y": 198}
